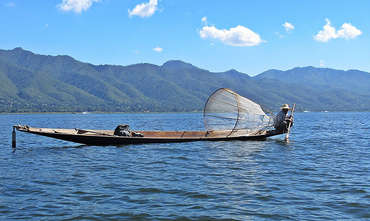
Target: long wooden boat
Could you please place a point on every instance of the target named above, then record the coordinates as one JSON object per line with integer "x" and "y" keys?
{"x": 107, "y": 137}
{"x": 227, "y": 116}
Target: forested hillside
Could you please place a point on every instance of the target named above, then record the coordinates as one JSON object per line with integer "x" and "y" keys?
{"x": 31, "y": 82}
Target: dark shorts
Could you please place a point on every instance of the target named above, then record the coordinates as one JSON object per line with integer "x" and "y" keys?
{"x": 283, "y": 127}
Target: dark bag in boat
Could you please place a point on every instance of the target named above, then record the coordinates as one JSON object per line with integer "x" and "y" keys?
{"x": 122, "y": 130}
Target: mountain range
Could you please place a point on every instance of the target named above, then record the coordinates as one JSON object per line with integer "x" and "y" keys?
{"x": 41, "y": 83}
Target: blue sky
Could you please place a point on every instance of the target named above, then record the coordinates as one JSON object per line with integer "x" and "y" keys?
{"x": 217, "y": 35}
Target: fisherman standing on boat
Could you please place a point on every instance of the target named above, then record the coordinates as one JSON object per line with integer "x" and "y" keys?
{"x": 282, "y": 121}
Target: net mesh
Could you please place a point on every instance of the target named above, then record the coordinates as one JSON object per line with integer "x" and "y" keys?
{"x": 227, "y": 110}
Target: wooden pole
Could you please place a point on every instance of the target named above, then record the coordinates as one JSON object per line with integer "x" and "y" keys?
{"x": 14, "y": 142}
{"x": 290, "y": 124}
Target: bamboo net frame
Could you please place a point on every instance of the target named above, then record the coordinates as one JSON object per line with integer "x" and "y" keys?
{"x": 227, "y": 110}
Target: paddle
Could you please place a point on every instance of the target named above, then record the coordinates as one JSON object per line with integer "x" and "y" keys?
{"x": 81, "y": 131}
{"x": 289, "y": 125}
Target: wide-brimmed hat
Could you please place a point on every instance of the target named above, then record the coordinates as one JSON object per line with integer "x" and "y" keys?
{"x": 285, "y": 106}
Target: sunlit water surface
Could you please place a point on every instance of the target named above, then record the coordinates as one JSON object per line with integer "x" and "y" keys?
{"x": 323, "y": 173}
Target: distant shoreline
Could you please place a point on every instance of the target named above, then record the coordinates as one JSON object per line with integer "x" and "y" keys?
{"x": 99, "y": 112}
{"x": 103, "y": 112}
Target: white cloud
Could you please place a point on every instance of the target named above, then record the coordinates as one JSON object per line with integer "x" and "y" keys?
{"x": 144, "y": 9}
{"x": 347, "y": 31}
{"x": 158, "y": 49}
{"x": 239, "y": 36}
{"x": 288, "y": 26}
{"x": 204, "y": 20}
{"x": 327, "y": 33}
{"x": 76, "y": 5}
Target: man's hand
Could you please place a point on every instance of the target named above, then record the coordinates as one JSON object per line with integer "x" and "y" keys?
{"x": 290, "y": 120}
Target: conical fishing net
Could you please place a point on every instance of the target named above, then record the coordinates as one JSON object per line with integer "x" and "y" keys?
{"x": 227, "y": 110}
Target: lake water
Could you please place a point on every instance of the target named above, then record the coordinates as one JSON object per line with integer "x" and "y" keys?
{"x": 322, "y": 174}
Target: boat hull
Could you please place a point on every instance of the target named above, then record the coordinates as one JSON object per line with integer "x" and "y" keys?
{"x": 105, "y": 138}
